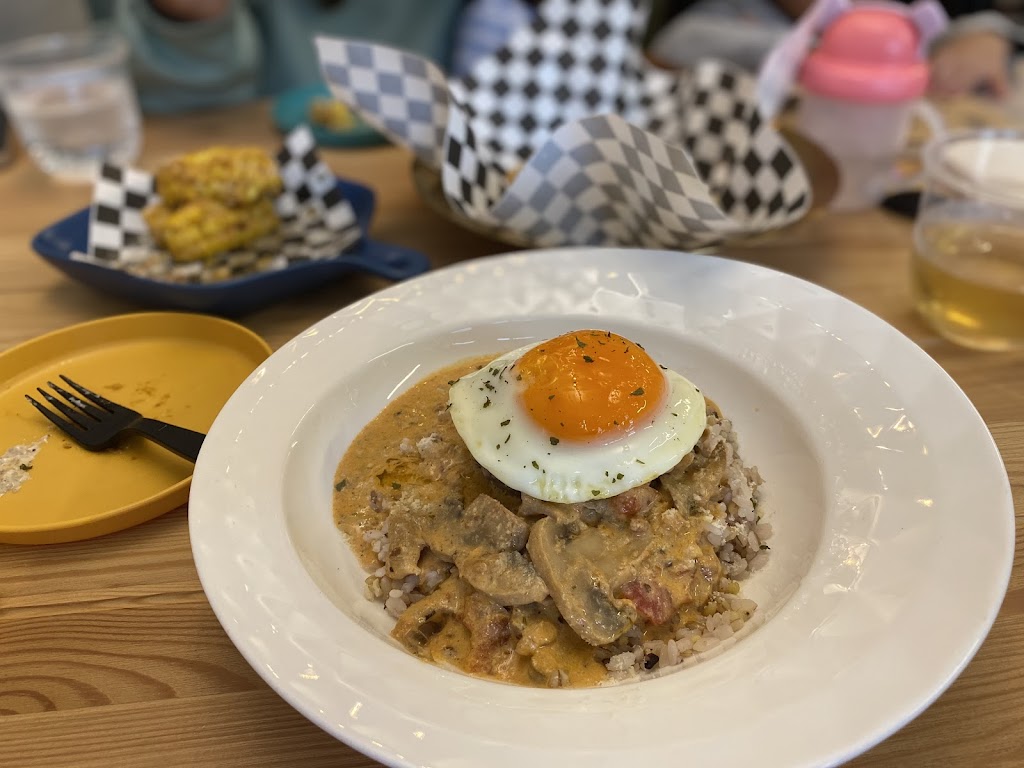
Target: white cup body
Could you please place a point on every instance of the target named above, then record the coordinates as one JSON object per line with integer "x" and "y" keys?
{"x": 864, "y": 140}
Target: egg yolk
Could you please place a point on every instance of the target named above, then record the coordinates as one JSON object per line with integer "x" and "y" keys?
{"x": 587, "y": 384}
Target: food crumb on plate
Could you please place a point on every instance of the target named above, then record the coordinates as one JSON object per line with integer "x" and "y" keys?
{"x": 16, "y": 464}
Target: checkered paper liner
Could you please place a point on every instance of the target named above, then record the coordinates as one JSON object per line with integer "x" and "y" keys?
{"x": 567, "y": 136}
{"x": 316, "y": 222}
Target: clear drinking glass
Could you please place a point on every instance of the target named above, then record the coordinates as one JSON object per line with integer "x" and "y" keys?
{"x": 968, "y": 257}
{"x": 71, "y": 100}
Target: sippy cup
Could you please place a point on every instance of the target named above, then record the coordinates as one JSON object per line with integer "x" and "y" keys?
{"x": 861, "y": 85}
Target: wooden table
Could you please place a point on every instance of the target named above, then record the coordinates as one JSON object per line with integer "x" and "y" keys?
{"x": 109, "y": 652}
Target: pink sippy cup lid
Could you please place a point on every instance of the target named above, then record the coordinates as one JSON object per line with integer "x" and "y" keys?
{"x": 869, "y": 55}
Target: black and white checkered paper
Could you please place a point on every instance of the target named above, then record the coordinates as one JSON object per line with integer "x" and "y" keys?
{"x": 316, "y": 222}
{"x": 567, "y": 136}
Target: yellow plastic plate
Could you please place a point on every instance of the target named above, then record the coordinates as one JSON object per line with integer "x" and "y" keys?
{"x": 175, "y": 367}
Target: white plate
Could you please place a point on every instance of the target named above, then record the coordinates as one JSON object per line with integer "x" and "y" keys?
{"x": 892, "y": 510}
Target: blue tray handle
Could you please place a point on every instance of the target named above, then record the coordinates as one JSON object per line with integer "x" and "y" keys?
{"x": 394, "y": 262}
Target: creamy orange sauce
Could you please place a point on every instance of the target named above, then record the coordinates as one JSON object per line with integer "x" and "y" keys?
{"x": 409, "y": 467}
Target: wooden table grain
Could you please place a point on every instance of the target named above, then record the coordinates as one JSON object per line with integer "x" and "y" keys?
{"x": 109, "y": 652}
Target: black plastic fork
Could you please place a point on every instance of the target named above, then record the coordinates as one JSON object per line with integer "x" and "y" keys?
{"x": 98, "y": 424}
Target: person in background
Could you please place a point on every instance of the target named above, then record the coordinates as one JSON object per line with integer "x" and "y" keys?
{"x": 485, "y": 26}
{"x": 191, "y": 54}
{"x": 973, "y": 56}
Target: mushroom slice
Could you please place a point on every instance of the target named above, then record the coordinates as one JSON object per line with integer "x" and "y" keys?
{"x": 577, "y": 585}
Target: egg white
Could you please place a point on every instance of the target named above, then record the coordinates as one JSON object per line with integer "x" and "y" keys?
{"x": 503, "y": 438}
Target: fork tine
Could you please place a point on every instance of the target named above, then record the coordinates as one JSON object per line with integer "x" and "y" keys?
{"x": 67, "y": 426}
{"x": 76, "y": 416}
{"x": 98, "y": 399}
{"x": 79, "y": 403}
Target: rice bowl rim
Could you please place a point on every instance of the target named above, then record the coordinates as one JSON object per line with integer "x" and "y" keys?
{"x": 328, "y": 667}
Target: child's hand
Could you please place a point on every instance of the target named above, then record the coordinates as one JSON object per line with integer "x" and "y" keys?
{"x": 976, "y": 61}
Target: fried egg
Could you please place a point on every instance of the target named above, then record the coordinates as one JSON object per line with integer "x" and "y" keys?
{"x": 583, "y": 416}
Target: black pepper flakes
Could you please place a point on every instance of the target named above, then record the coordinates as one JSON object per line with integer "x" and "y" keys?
{"x": 340, "y": 485}
{"x": 651, "y": 661}
{"x": 637, "y": 392}
{"x": 505, "y": 423}
{"x": 487, "y": 403}
{"x": 588, "y": 359}
{"x": 535, "y": 465}
{"x": 554, "y": 440}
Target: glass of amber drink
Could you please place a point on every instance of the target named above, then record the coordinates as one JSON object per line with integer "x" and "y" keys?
{"x": 968, "y": 260}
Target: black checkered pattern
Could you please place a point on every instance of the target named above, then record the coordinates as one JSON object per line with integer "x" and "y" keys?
{"x": 115, "y": 219}
{"x": 618, "y": 184}
{"x": 402, "y": 95}
{"x": 308, "y": 182}
{"x": 471, "y": 180}
{"x": 749, "y": 170}
{"x": 579, "y": 58}
{"x": 674, "y": 160}
{"x": 316, "y": 221}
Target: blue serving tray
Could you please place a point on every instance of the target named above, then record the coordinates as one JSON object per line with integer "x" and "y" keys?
{"x": 239, "y": 295}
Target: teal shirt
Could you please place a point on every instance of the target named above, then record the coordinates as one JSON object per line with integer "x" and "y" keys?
{"x": 262, "y": 47}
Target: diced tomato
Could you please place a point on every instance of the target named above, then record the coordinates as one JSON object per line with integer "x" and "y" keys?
{"x": 653, "y": 602}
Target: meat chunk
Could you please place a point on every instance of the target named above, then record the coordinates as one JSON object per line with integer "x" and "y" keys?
{"x": 693, "y": 484}
{"x": 635, "y": 502}
{"x": 485, "y": 524}
{"x": 490, "y": 630}
{"x": 489, "y": 625}
{"x": 421, "y": 620}
{"x": 578, "y": 587}
{"x": 626, "y": 505}
{"x": 435, "y": 456}
{"x": 653, "y": 601}
{"x": 483, "y": 540}
{"x": 405, "y": 546}
{"x": 508, "y": 577}
{"x": 532, "y": 507}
